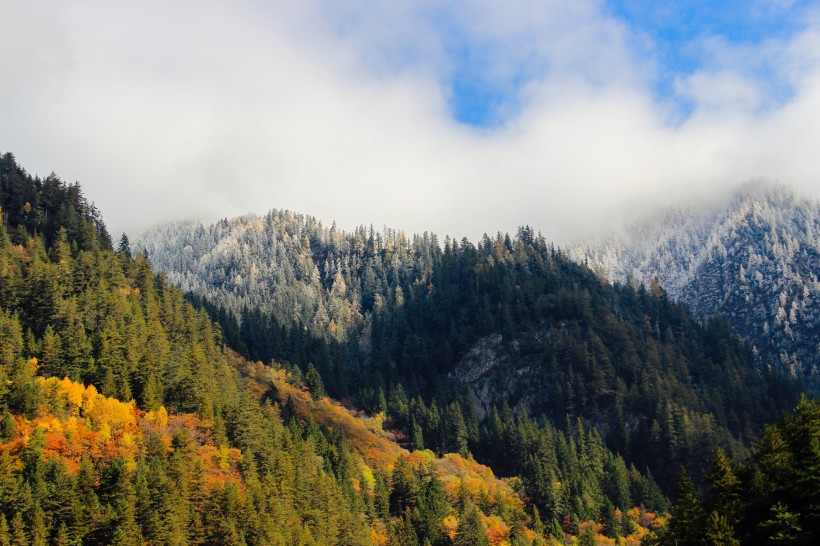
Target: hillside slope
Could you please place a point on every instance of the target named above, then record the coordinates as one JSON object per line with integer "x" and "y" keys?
{"x": 387, "y": 318}
{"x": 754, "y": 260}
{"x": 125, "y": 419}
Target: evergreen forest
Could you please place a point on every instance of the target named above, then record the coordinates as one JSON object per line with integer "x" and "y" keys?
{"x": 278, "y": 382}
{"x": 440, "y": 335}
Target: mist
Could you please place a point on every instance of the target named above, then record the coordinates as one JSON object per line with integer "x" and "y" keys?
{"x": 344, "y": 110}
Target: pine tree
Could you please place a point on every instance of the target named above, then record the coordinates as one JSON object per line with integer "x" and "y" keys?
{"x": 5, "y": 536}
{"x": 18, "y": 531}
{"x": 724, "y": 486}
{"x": 416, "y": 435}
{"x": 555, "y": 529}
{"x": 51, "y": 361}
{"x": 62, "y": 538}
{"x": 406, "y": 489}
{"x": 612, "y": 523}
{"x": 457, "y": 430}
{"x": 402, "y": 532}
{"x": 617, "y": 483}
{"x": 783, "y": 527}
{"x": 8, "y": 427}
{"x": 687, "y": 517}
{"x": 433, "y": 505}
{"x": 314, "y": 383}
{"x": 471, "y": 529}
{"x": 719, "y": 532}
{"x": 124, "y": 248}
{"x": 537, "y": 524}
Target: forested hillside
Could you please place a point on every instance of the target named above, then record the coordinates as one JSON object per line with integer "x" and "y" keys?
{"x": 754, "y": 260}
{"x": 95, "y": 458}
{"x": 126, "y": 419}
{"x": 441, "y": 335}
{"x": 771, "y": 498}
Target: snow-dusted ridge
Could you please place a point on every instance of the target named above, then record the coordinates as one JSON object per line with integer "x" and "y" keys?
{"x": 754, "y": 258}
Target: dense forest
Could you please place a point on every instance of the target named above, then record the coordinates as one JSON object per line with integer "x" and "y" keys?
{"x": 440, "y": 335}
{"x": 96, "y": 458}
{"x": 754, "y": 259}
{"x": 771, "y": 498}
{"x": 126, "y": 417}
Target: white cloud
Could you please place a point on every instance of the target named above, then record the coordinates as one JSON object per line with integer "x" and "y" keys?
{"x": 720, "y": 92}
{"x": 196, "y": 108}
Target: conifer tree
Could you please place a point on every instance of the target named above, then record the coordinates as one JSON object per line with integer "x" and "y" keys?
{"x": 18, "y": 531}
{"x": 7, "y": 426}
{"x": 724, "y": 486}
{"x": 62, "y": 538}
{"x": 718, "y": 531}
{"x": 471, "y": 529}
{"x": 783, "y": 527}
{"x": 687, "y": 517}
{"x": 314, "y": 383}
{"x": 51, "y": 359}
{"x": 124, "y": 248}
{"x": 612, "y": 523}
{"x": 405, "y": 490}
{"x": 5, "y": 536}
{"x": 402, "y": 531}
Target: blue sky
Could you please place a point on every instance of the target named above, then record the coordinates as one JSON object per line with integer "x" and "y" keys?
{"x": 669, "y": 35}
{"x": 455, "y": 116}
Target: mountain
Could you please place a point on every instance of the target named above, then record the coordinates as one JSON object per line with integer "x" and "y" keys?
{"x": 447, "y": 338}
{"x": 753, "y": 259}
{"x": 772, "y": 498}
{"x": 126, "y": 419}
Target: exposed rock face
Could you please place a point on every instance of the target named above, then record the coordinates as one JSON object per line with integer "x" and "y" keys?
{"x": 480, "y": 368}
{"x": 755, "y": 260}
{"x": 494, "y": 373}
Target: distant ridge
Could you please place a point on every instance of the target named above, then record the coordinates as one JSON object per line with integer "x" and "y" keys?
{"x": 754, "y": 259}
{"x": 398, "y": 322}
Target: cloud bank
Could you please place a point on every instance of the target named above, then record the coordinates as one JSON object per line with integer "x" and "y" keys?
{"x": 349, "y": 110}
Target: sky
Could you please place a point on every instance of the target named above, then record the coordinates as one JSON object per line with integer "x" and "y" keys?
{"x": 427, "y": 115}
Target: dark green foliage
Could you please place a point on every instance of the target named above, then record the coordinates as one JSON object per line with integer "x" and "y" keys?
{"x": 719, "y": 532}
{"x": 688, "y": 520}
{"x": 314, "y": 383}
{"x": 612, "y": 523}
{"x": 105, "y": 319}
{"x": 7, "y": 426}
{"x": 772, "y": 498}
{"x": 783, "y": 527}
{"x": 95, "y": 317}
{"x": 45, "y": 206}
{"x": 402, "y": 532}
{"x": 124, "y": 248}
{"x": 724, "y": 487}
{"x": 385, "y": 313}
{"x": 752, "y": 258}
{"x": 565, "y": 473}
{"x": 471, "y": 530}
{"x": 385, "y": 320}
{"x": 405, "y": 489}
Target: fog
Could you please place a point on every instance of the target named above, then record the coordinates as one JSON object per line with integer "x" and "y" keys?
{"x": 344, "y": 110}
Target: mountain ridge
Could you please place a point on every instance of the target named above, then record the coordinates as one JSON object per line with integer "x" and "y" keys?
{"x": 126, "y": 419}
{"x": 754, "y": 258}
{"x": 375, "y": 311}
